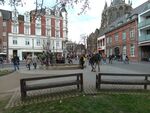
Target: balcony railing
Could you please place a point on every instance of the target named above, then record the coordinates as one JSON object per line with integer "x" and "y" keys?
{"x": 145, "y": 23}
{"x": 144, "y": 38}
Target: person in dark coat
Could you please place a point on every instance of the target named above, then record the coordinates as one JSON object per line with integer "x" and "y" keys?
{"x": 92, "y": 63}
{"x": 82, "y": 61}
{"x": 16, "y": 61}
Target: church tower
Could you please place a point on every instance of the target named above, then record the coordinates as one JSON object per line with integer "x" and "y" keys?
{"x": 116, "y": 9}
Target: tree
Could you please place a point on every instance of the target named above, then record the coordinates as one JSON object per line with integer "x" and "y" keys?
{"x": 62, "y": 4}
{"x": 85, "y": 4}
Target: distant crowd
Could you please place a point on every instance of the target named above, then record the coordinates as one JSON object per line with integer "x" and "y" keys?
{"x": 94, "y": 59}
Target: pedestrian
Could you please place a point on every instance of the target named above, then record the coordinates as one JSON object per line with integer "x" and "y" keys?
{"x": 92, "y": 62}
{"x": 28, "y": 61}
{"x": 1, "y": 61}
{"x": 16, "y": 62}
{"x": 97, "y": 61}
{"x": 111, "y": 58}
{"x": 82, "y": 61}
{"x": 127, "y": 59}
{"x": 124, "y": 58}
{"x": 34, "y": 61}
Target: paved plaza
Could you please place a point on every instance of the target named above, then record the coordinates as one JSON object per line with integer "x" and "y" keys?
{"x": 10, "y": 84}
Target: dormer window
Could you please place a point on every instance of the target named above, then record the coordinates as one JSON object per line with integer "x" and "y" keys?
{"x": 27, "y": 17}
{"x": 15, "y": 16}
{"x": 38, "y": 22}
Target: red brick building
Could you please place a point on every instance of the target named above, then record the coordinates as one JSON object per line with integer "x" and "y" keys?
{"x": 123, "y": 40}
{"x": 23, "y": 34}
{"x": 4, "y": 30}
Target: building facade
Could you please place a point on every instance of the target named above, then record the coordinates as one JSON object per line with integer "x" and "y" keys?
{"x": 129, "y": 34}
{"x": 101, "y": 44}
{"x": 4, "y": 26}
{"x": 123, "y": 40}
{"x": 28, "y": 34}
{"x": 92, "y": 42}
{"x": 111, "y": 13}
{"x": 144, "y": 34}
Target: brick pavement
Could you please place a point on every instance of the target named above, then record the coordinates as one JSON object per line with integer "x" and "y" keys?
{"x": 11, "y": 81}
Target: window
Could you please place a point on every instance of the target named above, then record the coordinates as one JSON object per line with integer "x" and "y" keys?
{"x": 110, "y": 40}
{"x": 14, "y": 28}
{"x": 148, "y": 32}
{"x": 38, "y": 31}
{"x": 110, "y": 52}
{"x": 48, "y": 32}
{"x": 4, "y": 33}
{"x": 57, "y": 44}
{"x": 132, "y": 33}
{"x": 116, "y": 37}
{"x": 38, "y": 42}
{"x": 14, "y": 41}
{"x": 4, "y": 24}
{"x": 57, "y": 13}
{"x": 57, "y": 23}
{"x": 124, "y": 50}
{"x": 132, "y": 50}
{"x": 27, "y": 18}
{"x": 64, "y": 23}
{"x": 57, "y": 34}
{"x": 124, "y": 36}
{"x": 107, "y": 40}
{"x": 38, "y": 21}
{"x": 27, "y": 31}
{"x": 27, "y": 42}
{"x": 107, "y": 52}
{"x": 48, "y": 22}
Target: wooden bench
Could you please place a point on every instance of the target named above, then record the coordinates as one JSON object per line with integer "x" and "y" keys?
{"x": 122, "y": 79}
{"x": 76, "y": 79}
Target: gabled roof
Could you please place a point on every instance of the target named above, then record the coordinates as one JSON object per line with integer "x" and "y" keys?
{"x": 6, "y": 14}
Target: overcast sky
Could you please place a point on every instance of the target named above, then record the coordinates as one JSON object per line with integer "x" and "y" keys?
{"x": 88, "y": 22}
{"x": 79, "y": 25}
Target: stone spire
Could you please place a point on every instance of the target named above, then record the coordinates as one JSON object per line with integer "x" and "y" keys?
{"x": 105, "y": 7}
{"x": 130, "y": 2}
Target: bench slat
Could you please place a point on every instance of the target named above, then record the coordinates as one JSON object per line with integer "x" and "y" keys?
{"x": 115, "y": 80}
{"x": 51, "y": 85}
{"x": 126, "y": 82}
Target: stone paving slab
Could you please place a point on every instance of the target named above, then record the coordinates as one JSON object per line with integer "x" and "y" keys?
{"x": 11, "y": 82}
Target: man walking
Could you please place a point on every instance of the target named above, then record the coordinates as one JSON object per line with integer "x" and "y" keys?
{"x": 98, "y": 61}
{"x": 16, "y": 61}
{"x": 34, "y": 61}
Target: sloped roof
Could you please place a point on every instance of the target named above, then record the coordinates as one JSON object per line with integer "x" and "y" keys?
{"x": 124, "y": 18}
{"x": 140, "y": 8}
{"x": 6, "y": 14}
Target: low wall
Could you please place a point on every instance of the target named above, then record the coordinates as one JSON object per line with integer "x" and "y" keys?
{"x": 61, "y": 67}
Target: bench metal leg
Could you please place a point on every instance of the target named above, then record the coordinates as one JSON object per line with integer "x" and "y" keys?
{"x": 78, "y": 86}
{"x": 98, "y": 82}
{"x": 81, "y": 78}
{"x": 145, "y": 85}
{"x": 23, "y": 91}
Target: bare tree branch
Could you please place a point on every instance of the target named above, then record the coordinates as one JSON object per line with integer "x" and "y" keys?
{"x": 84, "y": 8}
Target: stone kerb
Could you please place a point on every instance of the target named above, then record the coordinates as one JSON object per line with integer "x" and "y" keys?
{"x": 61, "y": 67}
